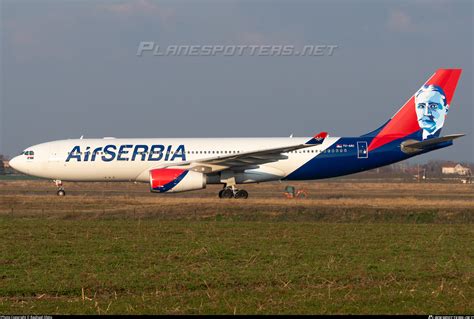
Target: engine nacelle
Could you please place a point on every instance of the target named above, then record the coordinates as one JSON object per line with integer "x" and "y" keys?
{"x": 173, "y": 180}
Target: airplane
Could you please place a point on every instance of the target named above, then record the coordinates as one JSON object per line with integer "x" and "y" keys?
{"x": 173, "y": 165}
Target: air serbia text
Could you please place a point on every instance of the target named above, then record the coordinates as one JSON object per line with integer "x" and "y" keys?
{"x": 127, "y": 152}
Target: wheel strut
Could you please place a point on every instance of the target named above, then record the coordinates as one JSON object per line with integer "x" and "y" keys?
{"x": 59, "y": 185}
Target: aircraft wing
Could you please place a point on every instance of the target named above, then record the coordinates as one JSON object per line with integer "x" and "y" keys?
{"x": 245, "y": 160}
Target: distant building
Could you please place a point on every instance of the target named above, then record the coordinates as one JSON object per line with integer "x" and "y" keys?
{"x": 6, "y": 164}
{"x": 455, "y": 169}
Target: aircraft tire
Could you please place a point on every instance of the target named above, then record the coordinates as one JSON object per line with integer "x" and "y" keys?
{"x": 226, "y": 193}
{"x": 241, "y": 194}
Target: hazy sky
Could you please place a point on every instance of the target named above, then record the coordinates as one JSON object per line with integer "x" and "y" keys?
{"x": 69, "y": 68}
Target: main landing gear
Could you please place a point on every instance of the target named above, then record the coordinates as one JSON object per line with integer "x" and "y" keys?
{"x": 232, "y": 192}
{"x": 59, "y": 185}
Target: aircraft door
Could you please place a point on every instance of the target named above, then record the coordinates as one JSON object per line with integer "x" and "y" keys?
{"x": 362, "y": 149}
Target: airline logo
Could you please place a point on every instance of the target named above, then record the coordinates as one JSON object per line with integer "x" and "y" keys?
{"x": 317, "y": 139}
{"x": 127, "y": 152}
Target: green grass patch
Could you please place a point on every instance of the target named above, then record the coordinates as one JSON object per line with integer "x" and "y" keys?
{"x": 141, "y": 266}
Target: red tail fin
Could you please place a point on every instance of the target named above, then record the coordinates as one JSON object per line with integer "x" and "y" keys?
{"x": 424, "y": 112}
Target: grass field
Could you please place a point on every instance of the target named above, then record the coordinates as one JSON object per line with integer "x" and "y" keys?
{"x": 348, "y": 248}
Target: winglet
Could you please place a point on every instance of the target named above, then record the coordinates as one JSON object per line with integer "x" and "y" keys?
{"x": 317, "y": 139}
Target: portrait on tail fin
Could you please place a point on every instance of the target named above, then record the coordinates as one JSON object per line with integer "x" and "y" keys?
{"x": 431, "y": 108}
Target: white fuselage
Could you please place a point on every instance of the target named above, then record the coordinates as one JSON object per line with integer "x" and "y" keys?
{"x": 124, "y": 162}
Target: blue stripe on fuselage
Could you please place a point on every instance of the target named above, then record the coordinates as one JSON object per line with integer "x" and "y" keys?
{"x": 333, "y": 164}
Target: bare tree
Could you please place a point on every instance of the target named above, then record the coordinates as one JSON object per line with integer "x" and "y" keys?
{"x": 2, "y": 167}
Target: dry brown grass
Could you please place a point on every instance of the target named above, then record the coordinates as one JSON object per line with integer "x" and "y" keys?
{"x": 328, "y": 201}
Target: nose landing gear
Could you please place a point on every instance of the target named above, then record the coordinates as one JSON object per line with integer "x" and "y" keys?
{"x": 59, "y": 185}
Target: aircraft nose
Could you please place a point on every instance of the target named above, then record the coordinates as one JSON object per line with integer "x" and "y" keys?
{"x": 15, "y": 163}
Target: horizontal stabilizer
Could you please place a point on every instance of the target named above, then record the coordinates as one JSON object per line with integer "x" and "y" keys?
{"x": 411, "y": 146}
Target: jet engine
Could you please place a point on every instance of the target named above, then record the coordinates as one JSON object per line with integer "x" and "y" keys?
{"x": 173, "y": 180}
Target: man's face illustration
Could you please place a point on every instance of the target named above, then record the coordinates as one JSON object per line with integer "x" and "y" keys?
{"x": 431, "y": 108}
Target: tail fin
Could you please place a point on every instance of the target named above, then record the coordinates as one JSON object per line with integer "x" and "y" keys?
{"x": 423, "y": 115}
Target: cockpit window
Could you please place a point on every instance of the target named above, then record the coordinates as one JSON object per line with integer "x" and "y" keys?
{"x": 27, "y": 153}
